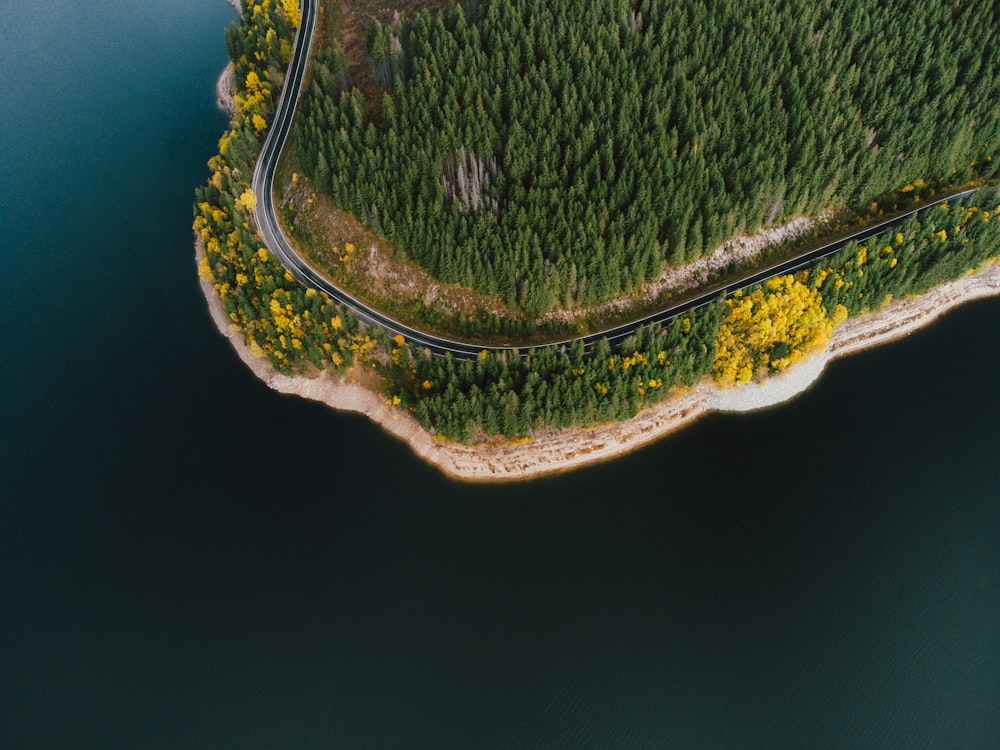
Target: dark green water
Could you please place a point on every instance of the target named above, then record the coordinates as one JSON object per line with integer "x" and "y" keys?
{"x": 189, "y": 560}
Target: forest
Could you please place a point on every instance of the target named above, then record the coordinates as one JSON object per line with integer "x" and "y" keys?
{"x": 751, "y": 334}
{"x": 560, "y": 153}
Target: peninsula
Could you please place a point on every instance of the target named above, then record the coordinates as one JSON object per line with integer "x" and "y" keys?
{"x": 725, "y": 319}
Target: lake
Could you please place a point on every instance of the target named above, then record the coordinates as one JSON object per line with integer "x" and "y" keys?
{"x": 188, "y": 559}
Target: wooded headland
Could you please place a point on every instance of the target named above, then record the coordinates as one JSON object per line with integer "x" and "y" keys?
{"x": 754, "y": 335}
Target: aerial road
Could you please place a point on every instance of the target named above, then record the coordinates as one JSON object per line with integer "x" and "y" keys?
{"x": 278, "y": 244}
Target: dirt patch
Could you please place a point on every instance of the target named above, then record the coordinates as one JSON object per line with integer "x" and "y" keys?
{"x": 739, "y": 251}
{"x": 224, "y": 91}
{"x": 367, "y": 265}
{"x": 349, "y": 21}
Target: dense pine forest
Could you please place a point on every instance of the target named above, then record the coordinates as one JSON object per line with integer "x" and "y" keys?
{"x": 562, "y": 152}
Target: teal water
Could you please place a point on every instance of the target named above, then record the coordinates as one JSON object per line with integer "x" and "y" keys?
{"x": 190, "y": 560}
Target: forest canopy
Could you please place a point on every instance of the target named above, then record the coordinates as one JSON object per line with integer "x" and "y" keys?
{"x": 562, "y": 152}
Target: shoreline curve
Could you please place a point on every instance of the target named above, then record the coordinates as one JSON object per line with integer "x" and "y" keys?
{"x": 557, "y": 451}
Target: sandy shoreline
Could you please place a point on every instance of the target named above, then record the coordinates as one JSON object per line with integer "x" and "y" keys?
{"x": 224, "y": 85}
{"x": 224, "y": 91}
{"x": 570, "y": 448}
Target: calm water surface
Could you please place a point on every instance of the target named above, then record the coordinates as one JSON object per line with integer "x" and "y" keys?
{"x": 190, "y": 560}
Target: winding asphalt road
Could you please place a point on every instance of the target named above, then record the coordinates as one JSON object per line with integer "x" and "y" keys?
{"x": 277, "y": 242}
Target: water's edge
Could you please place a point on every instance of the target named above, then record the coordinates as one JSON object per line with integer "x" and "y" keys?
{"x": 562, "y": 450}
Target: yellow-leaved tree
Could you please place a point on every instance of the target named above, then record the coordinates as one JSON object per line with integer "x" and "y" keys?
{"x": 248, "y": 200}
{"x": 293, "y": 12}
{"x": 775, "y": 325}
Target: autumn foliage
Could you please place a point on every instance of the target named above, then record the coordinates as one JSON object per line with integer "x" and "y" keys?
{"x": 937, "y": 245}
{"x": 295, "y": 328}
{"x": 768, "y": 329}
